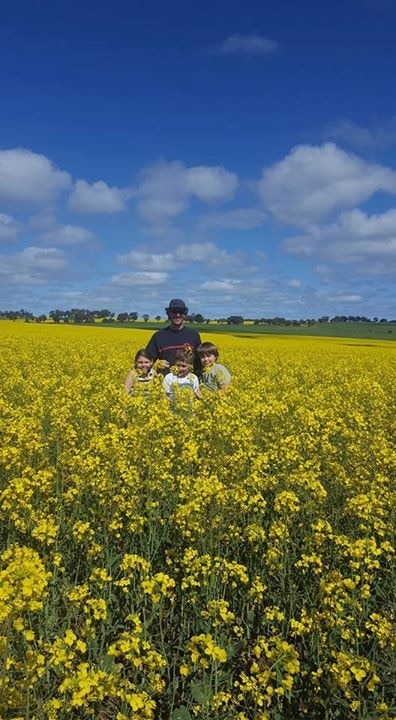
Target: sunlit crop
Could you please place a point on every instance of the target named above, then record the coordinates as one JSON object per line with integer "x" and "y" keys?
{"x": 226, "y": 559}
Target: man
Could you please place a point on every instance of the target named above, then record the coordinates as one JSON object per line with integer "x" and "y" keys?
{"x": 165, "y": 342}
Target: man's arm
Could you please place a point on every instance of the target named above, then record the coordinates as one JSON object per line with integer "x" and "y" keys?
{"x": 197, "y": 362}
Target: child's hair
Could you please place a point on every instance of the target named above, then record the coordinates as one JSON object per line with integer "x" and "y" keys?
{"x": 143, "y": 353}
{"x": 207, "y": 347}
{"x": 185, "y": 355}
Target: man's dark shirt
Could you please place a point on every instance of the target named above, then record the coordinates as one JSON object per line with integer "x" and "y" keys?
{"x": 165, "y": 342}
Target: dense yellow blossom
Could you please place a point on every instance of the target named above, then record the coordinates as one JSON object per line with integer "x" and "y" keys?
{"x": 230, "y": 559}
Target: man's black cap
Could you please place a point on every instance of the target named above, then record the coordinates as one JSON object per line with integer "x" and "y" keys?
{"x": 177, "y": 304}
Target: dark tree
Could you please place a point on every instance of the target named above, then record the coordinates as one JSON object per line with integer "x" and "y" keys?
{"x": 235, "y": 320}
{"x": 56, "y": 315}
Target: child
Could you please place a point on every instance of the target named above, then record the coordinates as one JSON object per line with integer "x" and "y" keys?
{"x": 214, "y": 375}
{"x": 143, "y": 372}
{"x": 181, "y": 375}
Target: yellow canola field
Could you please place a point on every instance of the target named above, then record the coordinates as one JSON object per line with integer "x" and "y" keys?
{"x": 230, "y": 559}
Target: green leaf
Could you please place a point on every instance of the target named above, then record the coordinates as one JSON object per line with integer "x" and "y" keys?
{"x": 108, "y": 663}
{"x": 200, "y": 693}
{"x": 181, "y": 713}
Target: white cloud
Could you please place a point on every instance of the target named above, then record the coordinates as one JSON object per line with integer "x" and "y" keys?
{"x": 233, "y": 295}
{"x": 66, "y": 235}
{"x": 227, "y": 285}
{"x": 157, "y": 209}
{"x": 27, "y": 177}
{"x": 294, "y": 283}
{"x": 207, "y": 253}
{"x": 9, "y": 228}
{"x": 313, "y": 181}
{"x": 148, "y": 261}
{"x": 351, "y": 298}
{"x": 367, "y": 242}
{"x": 32, "y": 266}
{"x": 239, "y": 219}
{"x": 96, "y": 198}
{"x": 54, "y": 234}
{"x": 138, "y": 279}
{"x": 380, "y": 136}
{"x": 167, "y": 188}
{"x": 210, "y": 184}
{"x": 246, "y": 45}
{"x": 42, "y": 258}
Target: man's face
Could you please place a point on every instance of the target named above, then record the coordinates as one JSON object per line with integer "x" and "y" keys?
{"x": 177, "y": 318}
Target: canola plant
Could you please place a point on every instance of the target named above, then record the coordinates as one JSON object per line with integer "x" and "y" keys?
{"x": 230, "y": 558}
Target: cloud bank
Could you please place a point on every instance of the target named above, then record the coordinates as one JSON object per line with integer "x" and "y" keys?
{"x": 309, "y": 232}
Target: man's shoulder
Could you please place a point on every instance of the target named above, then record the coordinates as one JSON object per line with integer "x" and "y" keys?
{"x": 191, "y": 331}
{"x": 185, "y": 332}
{"x": 160, "y": 332}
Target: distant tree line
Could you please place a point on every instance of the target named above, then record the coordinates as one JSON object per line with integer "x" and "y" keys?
{"x": 319, "y": 321}
{"x": 82, "y": 316}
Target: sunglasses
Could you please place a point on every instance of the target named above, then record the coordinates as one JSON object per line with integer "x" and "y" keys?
{"x": 177, "y": 311}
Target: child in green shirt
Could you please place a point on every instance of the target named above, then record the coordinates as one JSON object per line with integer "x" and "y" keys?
{"x": 214, "y": 376}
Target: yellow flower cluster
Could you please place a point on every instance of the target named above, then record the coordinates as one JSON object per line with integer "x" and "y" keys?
{"x": 23, "y": 581}
{"x": 231, "y": 559}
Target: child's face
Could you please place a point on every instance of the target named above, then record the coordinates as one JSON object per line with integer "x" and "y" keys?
{"x": 144, "y": 364}
{"x": 208, "y": 358}
{"x": 182, "y": 368}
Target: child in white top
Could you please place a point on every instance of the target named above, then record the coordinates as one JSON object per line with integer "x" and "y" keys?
{"x": 143, "y": 372}
{"x": 181, "y": 376}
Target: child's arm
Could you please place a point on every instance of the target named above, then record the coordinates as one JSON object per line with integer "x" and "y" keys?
{"x": 168, "y": 382}
{"x": 161, "y": 365}
{"x": 223, "y": 379}
{"x": 130, "y": 381}
{"x": 197, "y": 389}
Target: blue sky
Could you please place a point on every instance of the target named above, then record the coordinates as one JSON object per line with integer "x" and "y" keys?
{"x": 240, "y": 156}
